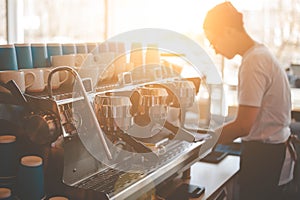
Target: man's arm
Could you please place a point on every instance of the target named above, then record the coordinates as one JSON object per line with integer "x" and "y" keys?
{"x": 241, "y": 126}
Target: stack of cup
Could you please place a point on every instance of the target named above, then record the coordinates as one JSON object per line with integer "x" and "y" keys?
{"x": 30, "y": 179}
{"x": 8, "y": 161}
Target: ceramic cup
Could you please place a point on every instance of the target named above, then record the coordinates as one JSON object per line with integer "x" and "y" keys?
{"x": 19, "y": 78}
{"x": 5, "y": 194}
{"x": 81, "y": 48}
{"x": 112, "y": 47}
{"x": 102, "y": 47}
{"x": 53, "y": 49}
{"x": 39, "y": 55}
{"x": 8, "y": 156}
{"x": 121, "y": 47}
{"x": 57, "y": 79}
{"x": 106, "y": 62}
{"x": 84, "y": 59}
{"x": 24, "y": 56}
{"x": 136, "y": 54}
{"x": 30, "y": 179}
{"x": 35, "y": 75}
{"x": 152, "y": 54}
{"x": 92, "y": 47}
{"x": 68, "y": 48}
{"x": 94, "y": 72}
{"x": 8, "y": 57}
{"x": 63, "y": 60}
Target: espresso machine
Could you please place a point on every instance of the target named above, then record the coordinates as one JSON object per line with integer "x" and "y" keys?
{"x": 120, "y": 135}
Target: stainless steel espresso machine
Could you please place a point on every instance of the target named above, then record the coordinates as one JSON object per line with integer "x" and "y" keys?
{"x": 122, "y": 135}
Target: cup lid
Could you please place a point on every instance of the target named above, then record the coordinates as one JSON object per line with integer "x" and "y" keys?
{"x": 4, "y": 139}
{"x": 31, "y": 161}
{"x": 5, "y": 192}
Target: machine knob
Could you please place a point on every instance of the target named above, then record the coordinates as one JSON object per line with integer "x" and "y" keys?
{"x": 42, "y": 127}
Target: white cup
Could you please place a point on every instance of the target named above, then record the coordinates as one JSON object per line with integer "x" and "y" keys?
{"x": 120, "y": 63}
{"x": 83, "y": 59}
{"x": 18, "y": 76}
{"x": 95, "y": 72}
{"x": 63, "y": 60}
{"x": 136, "y": 54}
{"x": 106, "y": 61}
{"x": 57, "y": 79}
{"x": 105, "y": 58}
{"x": 152, "y": 55}
{"x": 35, "y": 75}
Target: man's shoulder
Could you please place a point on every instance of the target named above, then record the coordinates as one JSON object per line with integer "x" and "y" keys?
{"x": 258, "y": 50}
{"x": 259, "y": 53}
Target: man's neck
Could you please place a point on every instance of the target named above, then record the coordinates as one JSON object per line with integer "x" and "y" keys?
{"x": 246, "y": 44}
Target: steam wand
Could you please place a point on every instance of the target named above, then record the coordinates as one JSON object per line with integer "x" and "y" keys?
{"x": 90, "y": 109}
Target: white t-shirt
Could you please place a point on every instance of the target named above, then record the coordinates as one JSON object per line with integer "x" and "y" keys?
{"x": 263, "y": 83}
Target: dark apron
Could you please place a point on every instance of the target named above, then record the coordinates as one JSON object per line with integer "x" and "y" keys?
{"x": 260, "y": 169}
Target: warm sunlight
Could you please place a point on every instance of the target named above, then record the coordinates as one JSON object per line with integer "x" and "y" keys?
{"x": 182, "y": 16}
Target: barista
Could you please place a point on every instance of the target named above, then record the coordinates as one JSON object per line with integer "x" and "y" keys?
{"x": 264, "y": 108}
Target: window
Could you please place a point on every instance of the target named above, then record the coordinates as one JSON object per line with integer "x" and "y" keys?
{"x": 60, "y": 21}
{"x": 274, "y": 23}
{"x": 3, "y": 30}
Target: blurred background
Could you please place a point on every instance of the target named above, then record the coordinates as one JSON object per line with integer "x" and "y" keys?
{"x": 273, "y": 22}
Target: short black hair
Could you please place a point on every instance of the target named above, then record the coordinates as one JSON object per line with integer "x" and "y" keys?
{"x": 223, "y": 15}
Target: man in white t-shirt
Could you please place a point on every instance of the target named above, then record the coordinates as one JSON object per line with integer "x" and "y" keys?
{"x": 264, "y": 110}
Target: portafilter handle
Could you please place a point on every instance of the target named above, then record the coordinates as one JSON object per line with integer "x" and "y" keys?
{"x": 86, "y": 99}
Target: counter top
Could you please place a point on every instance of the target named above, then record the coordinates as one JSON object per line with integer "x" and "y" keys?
{"x": 214, "y": 177}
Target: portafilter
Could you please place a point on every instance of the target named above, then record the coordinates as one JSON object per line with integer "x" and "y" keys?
{"x": 113, "y": 112}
